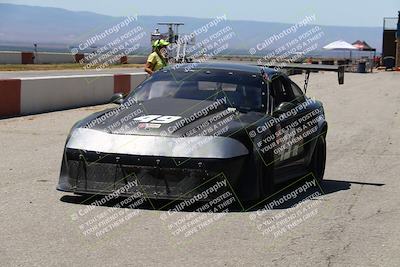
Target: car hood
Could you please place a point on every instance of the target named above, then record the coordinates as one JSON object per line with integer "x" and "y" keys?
{"x": 172, "y": 117}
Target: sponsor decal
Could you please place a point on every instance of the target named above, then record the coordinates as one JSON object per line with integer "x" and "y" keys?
{"x": 149, "y": 126}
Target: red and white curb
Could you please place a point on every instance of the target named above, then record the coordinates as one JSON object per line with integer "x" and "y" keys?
{"x": 43, "y": 94}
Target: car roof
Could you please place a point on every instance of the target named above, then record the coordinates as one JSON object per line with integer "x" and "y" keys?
{"x": 253, "y": 69}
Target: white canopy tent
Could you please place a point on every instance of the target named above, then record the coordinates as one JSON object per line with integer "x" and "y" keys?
{"x": 340, "y": 45}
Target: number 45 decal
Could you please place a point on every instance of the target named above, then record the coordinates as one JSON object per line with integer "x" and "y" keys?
{"x": 157, "y": 119}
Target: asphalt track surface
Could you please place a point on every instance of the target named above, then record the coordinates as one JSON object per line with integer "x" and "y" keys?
{"x": 355, "y": 222}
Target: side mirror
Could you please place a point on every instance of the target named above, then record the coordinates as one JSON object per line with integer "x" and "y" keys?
{"x": 117, "y": 99}
{"x": 283, "y": 108}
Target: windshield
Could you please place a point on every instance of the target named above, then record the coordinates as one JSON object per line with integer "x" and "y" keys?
{"x": 243, "y": 90}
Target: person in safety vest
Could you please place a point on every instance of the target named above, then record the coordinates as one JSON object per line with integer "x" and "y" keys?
{"x": 158, "y": 58}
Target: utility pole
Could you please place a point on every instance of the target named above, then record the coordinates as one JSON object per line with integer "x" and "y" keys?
{"x": 36, "y": 53}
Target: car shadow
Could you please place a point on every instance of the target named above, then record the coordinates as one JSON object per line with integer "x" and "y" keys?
{"x": 286, "y": 196}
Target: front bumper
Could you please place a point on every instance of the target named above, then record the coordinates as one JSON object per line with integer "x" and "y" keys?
{"x": 88, "y": 172}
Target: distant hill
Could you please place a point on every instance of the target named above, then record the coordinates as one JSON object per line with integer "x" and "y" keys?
{"x": 59, "y": 28}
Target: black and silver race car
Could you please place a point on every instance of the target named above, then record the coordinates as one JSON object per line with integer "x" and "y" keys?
{"x": 190, "y": 126}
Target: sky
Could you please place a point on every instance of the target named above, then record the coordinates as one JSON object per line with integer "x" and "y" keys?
{"x": 328, "y": 12}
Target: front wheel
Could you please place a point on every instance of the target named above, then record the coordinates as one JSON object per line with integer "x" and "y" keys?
{"x": 318, "y": 160}
{"x": 265, "y": 172}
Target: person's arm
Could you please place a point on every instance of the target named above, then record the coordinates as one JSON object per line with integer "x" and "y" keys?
{"x": 149, "y": 68}
{"x": 151, "y": 62}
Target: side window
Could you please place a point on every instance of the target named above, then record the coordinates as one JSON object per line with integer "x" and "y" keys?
{"x": 282, "y": 91}
{"x": 298, "y": 94}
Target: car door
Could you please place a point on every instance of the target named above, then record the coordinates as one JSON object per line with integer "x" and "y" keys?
{"x": 289, "y": 154}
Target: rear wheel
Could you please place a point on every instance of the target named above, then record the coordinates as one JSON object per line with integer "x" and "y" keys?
{"x": 318, "y": 160}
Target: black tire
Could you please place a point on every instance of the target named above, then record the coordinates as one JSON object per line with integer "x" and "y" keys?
{"x": 266, "y": 175}
{"x": 318, "y": 160}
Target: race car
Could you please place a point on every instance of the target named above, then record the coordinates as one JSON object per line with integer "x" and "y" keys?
{"x": 192, "y": 127}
